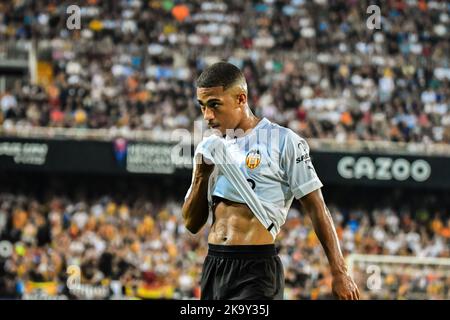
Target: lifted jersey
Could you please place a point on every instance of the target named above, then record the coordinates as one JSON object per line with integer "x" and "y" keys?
{"x": 276, "y": 164}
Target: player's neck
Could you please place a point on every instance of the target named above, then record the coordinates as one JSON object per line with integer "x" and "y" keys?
{"x": 248, "y": 124}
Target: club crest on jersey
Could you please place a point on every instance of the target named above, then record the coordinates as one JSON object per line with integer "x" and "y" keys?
{"x": 253, "y": 159}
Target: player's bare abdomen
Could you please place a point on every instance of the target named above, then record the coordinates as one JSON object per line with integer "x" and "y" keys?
{"x": 235, "y": 224}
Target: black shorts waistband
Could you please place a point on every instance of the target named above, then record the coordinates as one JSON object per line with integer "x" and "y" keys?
{"x": 242, "y": 251}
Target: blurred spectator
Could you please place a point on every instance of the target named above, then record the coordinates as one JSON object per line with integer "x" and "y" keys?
{"x": 136, "y": 248}
{"x": 311, "y": 65}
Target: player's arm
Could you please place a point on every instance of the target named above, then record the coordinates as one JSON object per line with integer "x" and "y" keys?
{"x": 343, "y": 285}
{"x": 305, "y": 186}
{"x": 195, "y": 209}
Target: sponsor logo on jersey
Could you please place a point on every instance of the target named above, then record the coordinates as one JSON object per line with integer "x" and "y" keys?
{"x": 302, "y": 158}
{"x": 253, "y": 159}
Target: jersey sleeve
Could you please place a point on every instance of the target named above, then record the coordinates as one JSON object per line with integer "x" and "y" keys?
{"x": 298, "y": 167}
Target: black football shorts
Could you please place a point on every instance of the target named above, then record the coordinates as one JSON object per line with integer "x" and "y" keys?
{"x": 242, "y": 272}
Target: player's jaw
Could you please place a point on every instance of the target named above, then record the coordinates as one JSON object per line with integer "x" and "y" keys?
{"x": 213, "y": 125}
{"x": 217, "y": 127}
{"x": 225, "y": 126}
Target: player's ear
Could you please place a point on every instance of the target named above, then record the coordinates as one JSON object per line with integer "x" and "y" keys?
{"x": 242, "y": 99}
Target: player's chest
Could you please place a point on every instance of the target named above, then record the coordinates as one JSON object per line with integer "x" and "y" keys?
{"x": 253, "y": 157}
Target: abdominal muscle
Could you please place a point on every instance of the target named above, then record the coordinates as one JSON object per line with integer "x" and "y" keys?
{"x": 235, "y": 224}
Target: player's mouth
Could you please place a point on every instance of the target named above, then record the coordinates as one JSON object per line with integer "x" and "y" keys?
{"x": 213, "y": 126}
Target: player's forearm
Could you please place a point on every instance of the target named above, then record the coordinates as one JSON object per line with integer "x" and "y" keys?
{"x": 326, "y": 232}
{"x": 195, "y": 209}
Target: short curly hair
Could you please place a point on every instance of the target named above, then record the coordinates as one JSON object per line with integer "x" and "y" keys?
{"x": 220, "y": 74}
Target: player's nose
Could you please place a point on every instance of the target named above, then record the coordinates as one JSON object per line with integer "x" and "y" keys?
{"x": 208, "y": 114}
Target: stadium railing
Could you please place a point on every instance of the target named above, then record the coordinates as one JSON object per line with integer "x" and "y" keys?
{"x": 405, "y": 148}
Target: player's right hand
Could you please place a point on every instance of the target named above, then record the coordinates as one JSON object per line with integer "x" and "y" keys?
{"x": 206, "y": 167}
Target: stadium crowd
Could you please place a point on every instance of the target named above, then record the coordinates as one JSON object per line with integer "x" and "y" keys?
{"x": 317, "y": 67}
{"x": 138, "y": 248}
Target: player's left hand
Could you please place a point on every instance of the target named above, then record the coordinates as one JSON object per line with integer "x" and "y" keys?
{"x": 344, "y": 288}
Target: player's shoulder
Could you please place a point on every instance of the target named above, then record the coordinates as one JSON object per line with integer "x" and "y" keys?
{"x": 287, "y": 135}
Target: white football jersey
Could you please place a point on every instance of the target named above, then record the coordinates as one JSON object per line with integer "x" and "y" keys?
{"x": 275, "y": 162}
